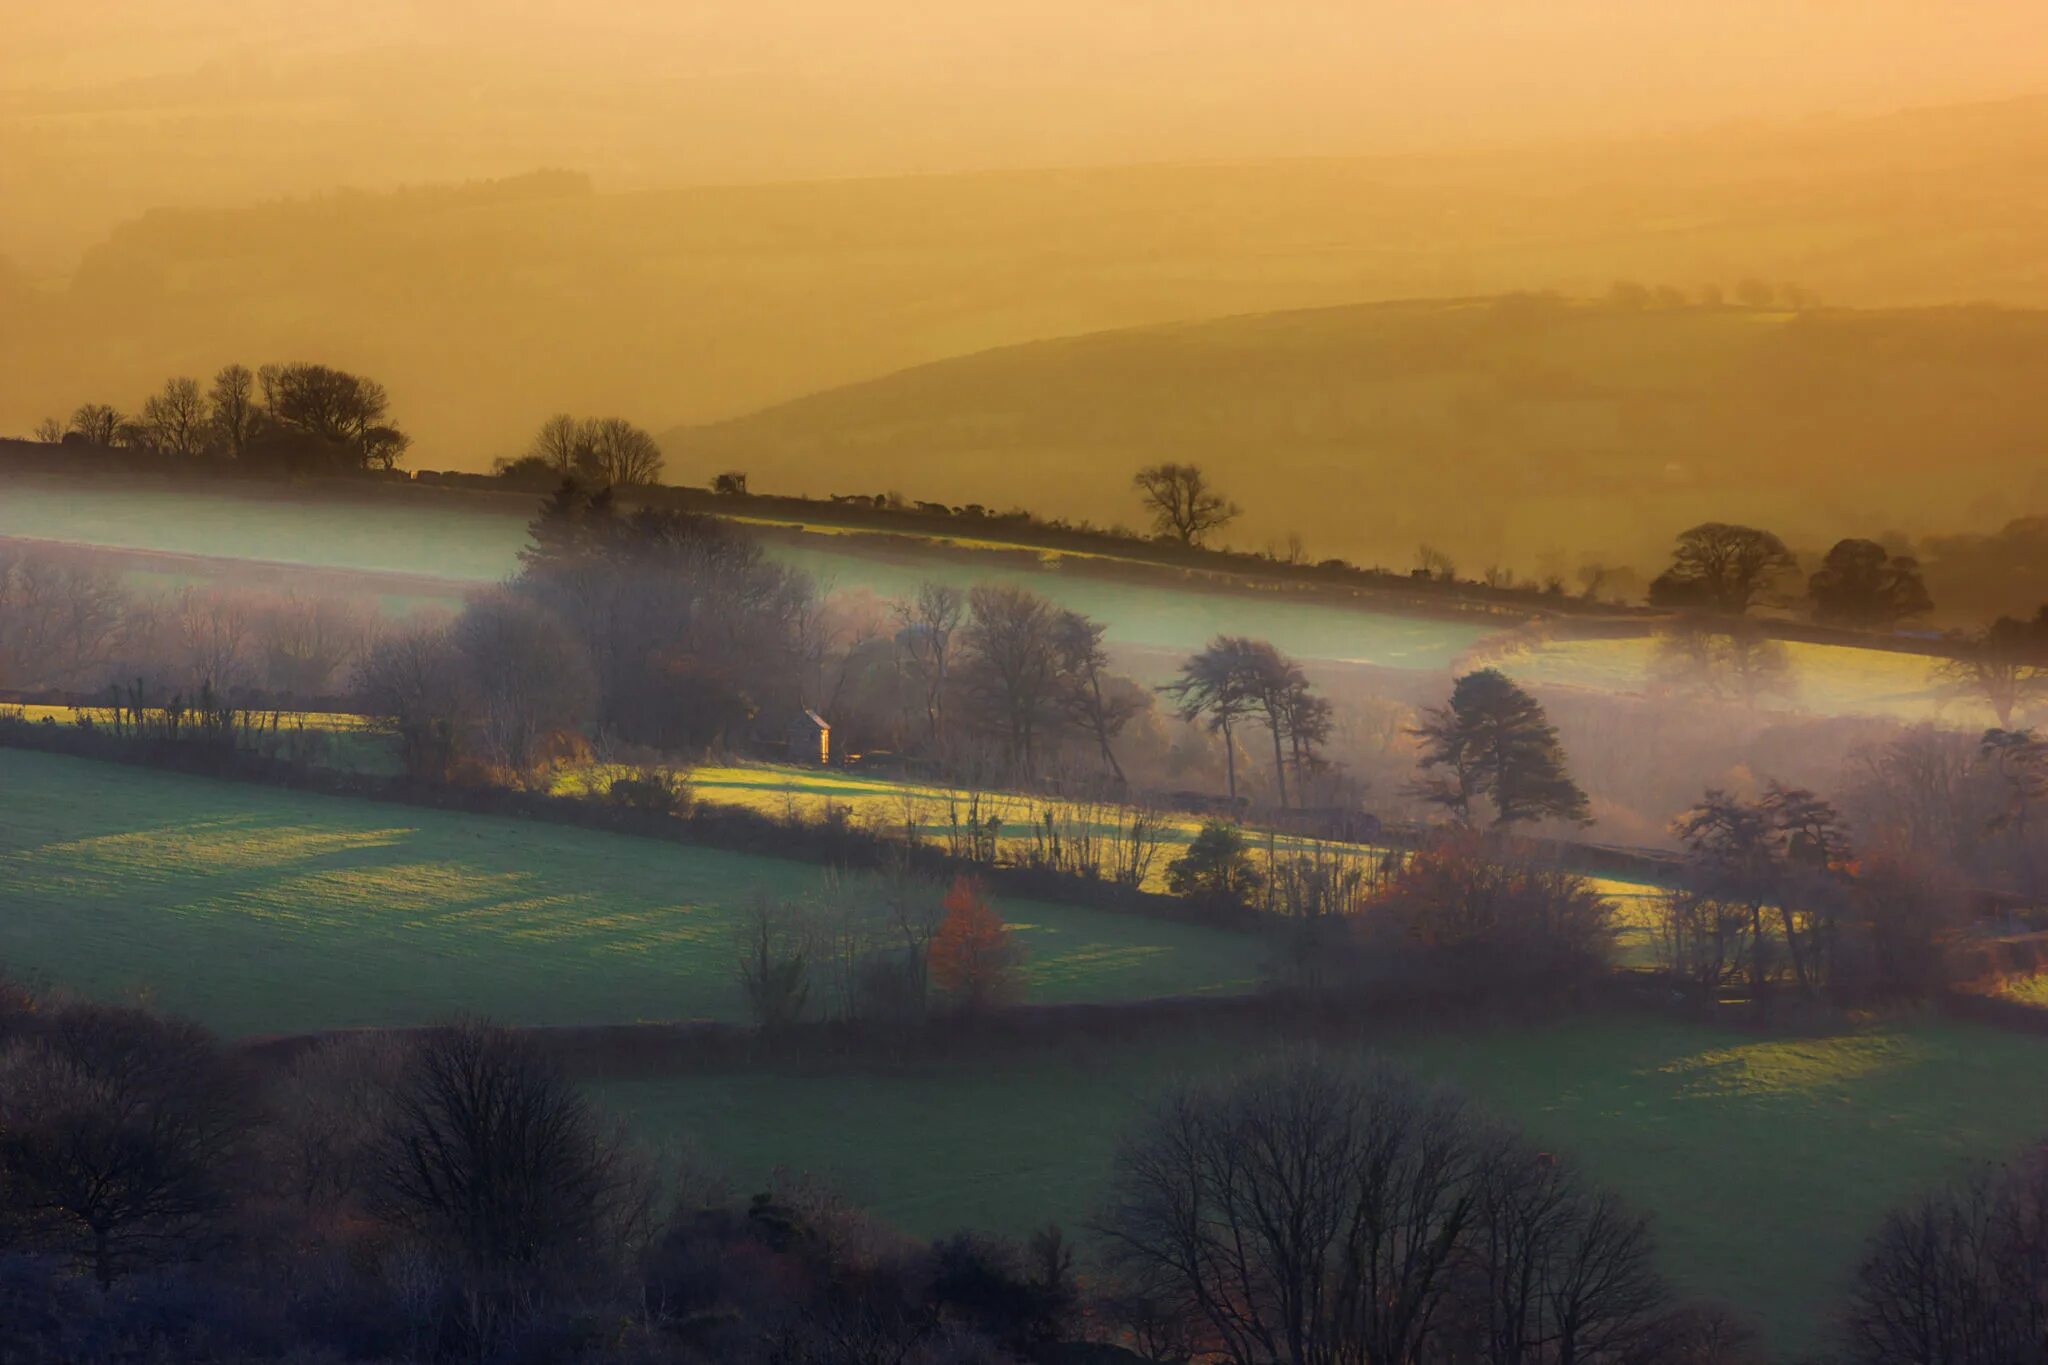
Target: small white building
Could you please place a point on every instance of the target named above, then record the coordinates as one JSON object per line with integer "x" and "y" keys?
{"x": 810, "y": 739}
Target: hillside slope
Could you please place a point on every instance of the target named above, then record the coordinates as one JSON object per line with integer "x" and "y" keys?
{"x": 1526, "y": 430}
{"x": 485, "y": 308}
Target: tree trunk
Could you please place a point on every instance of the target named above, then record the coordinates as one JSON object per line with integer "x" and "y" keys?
{"x": 1230, "y": 765}
{"x": 1279, "y": 762}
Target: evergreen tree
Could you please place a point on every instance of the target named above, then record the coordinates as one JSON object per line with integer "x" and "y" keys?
{"x": 1493, "y": 740}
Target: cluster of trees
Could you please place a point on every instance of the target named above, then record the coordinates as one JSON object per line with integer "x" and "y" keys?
{"x": 675, "y": 632}
{"x": 448, "y": 1195}
{"x": 599, "y": 451}
{"x": 1310, "y": 1212}
{"x": 897, "y": 951}
{"x": 69, "y": 624}
{"x": 1720, "y": 573}
{"x": 1235, "y": 680}
{"x": 1785, "y": 892}
{"x": 1967, "y": 811}
{"x": 1960, "y": 1276}
{"x": 452, "y": 1194}
{"x": 293, "y": 418}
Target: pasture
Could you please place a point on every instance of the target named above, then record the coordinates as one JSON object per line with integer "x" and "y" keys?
{"x": 468, "y": 538}
{"x": 1823, "y": 679}
{"x": 1764, "y": 1162}
{"x": 258, "y": 910}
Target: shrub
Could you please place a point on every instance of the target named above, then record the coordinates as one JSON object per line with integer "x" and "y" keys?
{"x": 974, "y": 958}
{"x": 652, "y": 791}
{"x": 1217, "y": 867}
{"x": 1478, "y": 919}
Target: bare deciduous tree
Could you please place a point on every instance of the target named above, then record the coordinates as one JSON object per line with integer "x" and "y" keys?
{"x": 621, "y": 453}
{"x": 927, "y": 624}
{"x": 490, "y": 1153}
{"x": 1960, "y": 1277}
{"x": 411, "y": 681}
{"x": 117, "y": 1131}
{"x": 235, "y": 414}
{"x": 525, "y": 676}
{"x": 97, "y": 424}
{"x": 1303, "y": 1213}
{"x": 177, "y": 421}
{"x": 1181, "y": 502}
{"x": 1011, "y": 667}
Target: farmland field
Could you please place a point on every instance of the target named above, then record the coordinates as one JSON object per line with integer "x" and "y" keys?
{"x": 1827, "y": 679}
{"x": 465, "y": 539}
{"x": 469, "y": 538}
{"x": 263, "y": 911}
{"x": 1764, "y": 1162}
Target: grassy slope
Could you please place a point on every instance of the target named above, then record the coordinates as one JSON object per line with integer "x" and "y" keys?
{"x": 477, "y": 541}
{"x": 484, "y": 310}
{"x": 261, "y": 911}
{"x": 1764, "y": 1162}
{"x": 1509, "y": 430}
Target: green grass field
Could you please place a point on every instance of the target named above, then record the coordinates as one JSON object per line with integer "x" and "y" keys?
{"x": 477, "y": 542}
{"x": 257, "y": 910}
{"x": 1764, "y": 1162}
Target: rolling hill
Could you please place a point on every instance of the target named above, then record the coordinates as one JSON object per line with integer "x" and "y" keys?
{"x": 1522, "y": 429}
{"x": 486, "y": 307}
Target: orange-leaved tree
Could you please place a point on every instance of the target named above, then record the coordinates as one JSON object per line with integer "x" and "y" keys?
{"x": 974, "y": 957}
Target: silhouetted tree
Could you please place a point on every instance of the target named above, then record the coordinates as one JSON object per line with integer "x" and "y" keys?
{"x": 1091, "y": 696}
{"x": 411, "y": 680}
{"x": 1959, "y": 1277}
{"x": 927, "y": 625}
{"x": 526, "y": 678}
{"x": 774, "y": 963}
{"x": 621, "y": 453}
{"x": 176, "y": 420}
{"x": 688, "y": 628}
{"x": 97, "y": 424}
{"x": 1724, "y": 568}
{"x": 2006, "y": 664}
{"x": 1010, "y": 667}
{"x": 1181, "y": 502}
{"x": 1782, "y": 855}
{"x": 561, "y": 444}
{"x": 236, "y": 417}
{"x": 321, "y": 414}
{"x": 1302, "y": 1213}
{"x": 1217, "y": 866}
{"x": 490, "y": 1152}
{"x": 2021, "y": 762}
{"x": 1493, "y": 740}
{"x": 1234, "y": 677}
{"x": 1862, "y": 584}
{"x": 1211, "y": 689}
{"x": 118, "y": 1136}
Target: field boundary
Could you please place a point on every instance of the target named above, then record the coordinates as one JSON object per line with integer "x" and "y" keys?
{"x": 731, "y": 829}
{"x": 613, "y": 1051}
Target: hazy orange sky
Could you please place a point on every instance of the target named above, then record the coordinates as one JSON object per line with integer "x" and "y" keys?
{"x": 109, "y": 107}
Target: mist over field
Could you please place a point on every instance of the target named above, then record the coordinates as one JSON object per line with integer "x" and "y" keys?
{"x": 791, "y": 682}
